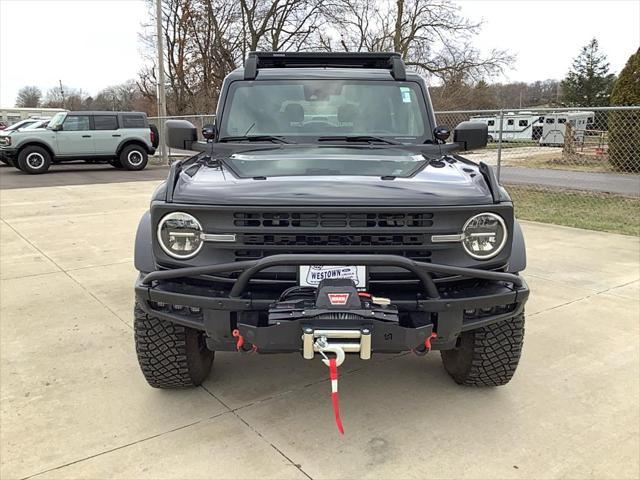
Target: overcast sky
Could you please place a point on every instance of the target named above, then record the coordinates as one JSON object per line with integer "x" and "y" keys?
{"x": 91, "y": 44}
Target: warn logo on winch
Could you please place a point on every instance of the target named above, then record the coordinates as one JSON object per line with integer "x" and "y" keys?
{"x": 338, "y": 298}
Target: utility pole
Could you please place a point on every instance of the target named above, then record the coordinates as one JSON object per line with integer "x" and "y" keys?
{"x": 162, "y": 100}
{"x": 61, "y": 92}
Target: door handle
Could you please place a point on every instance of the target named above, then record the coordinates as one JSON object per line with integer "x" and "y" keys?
{"x": 116, "y": 135}
{"x": 86, "y": 136}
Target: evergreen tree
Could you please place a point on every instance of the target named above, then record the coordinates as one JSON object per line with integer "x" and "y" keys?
{"x": 624, "y": 125}
{"x": 589, "y": 82}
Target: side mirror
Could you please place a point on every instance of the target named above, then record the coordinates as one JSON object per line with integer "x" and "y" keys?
{"x": 181, "y": 134}
{"x": 471, "y": 135}
{"x": 57, "y": 128}
{"x": 209, "y": 131}
{"x": 441, "y": 133}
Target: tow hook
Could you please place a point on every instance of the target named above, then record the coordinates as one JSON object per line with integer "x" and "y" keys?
{"x": 422, "y": 350}
{"x": 240, "y": 343}
{"x": 323, "y": 347}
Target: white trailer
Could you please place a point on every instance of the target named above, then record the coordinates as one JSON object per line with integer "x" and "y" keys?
{"x": 516, "y": 126}
{"x": 555, "y": 126}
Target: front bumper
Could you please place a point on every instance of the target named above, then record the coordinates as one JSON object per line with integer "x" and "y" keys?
{"x": 482, "y": 297}
{"x": 8, "y": 155}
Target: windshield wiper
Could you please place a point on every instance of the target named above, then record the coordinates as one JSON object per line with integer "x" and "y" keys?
{"x": 255, "y": 138}
{"x": 357, "y": 138}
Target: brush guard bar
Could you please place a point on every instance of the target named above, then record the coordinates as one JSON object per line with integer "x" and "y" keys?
{"x": 249, "y": 268}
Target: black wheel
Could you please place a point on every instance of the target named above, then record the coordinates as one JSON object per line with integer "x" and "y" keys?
{"x": 34, "y": 160}
{"x": 170, "y": 355}
{"x": 488, "y": 356}
{"x": 133, "y": 157}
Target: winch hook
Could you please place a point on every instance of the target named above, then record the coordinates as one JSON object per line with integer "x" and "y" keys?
{"x": 325, "y": 347}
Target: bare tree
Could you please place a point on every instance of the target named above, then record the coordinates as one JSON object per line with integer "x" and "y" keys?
{"x": 65, "y": 97}
{"x": 28, "y": 96}
{"x": 429, "y": 34}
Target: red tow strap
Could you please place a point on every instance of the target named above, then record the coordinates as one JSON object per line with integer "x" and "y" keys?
{"x": 427, "y": 342}
{"x": 240, "y": 341}
{"x": 333, "y": 375}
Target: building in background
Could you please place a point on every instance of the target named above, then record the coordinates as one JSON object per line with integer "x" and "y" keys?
{"x": 13, "y": 115}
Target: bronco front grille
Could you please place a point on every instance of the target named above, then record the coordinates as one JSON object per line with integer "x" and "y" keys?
{"x": 255, "y": 254}
{"x": 332, "y": 219}
{"x": 355, "y": 240}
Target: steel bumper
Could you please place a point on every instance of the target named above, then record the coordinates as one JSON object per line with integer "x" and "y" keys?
{"x": 501, "y": 296}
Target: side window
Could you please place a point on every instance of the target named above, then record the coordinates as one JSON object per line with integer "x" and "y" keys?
{"x": 550, "y": 121}
{"x": 562, "y": 120}
{"x": 491, "y": 123}
{"x": 523, "y": 123}
{"x": 105, "y": 122}
{"x": 133, "y": 121}
{"x": 510, "y": 121}
{"x": 76, "y": 123}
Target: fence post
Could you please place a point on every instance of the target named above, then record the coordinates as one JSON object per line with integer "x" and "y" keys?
{"x": 500, "y": 144}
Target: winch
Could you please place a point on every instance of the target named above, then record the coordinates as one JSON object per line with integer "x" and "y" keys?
{"x": 335, "y": 315}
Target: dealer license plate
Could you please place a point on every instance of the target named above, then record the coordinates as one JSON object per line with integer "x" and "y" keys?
{"x": 312, "y": 275}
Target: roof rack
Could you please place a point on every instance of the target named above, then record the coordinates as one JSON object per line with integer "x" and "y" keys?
{"x": 387, "y": 61}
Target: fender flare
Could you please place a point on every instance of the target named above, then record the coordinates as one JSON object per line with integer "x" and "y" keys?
{"x": 36, "y": 143}
{"x": 518, "y": 259}
{"x": 130, "y": 141}
{"x": 143, "y": 253}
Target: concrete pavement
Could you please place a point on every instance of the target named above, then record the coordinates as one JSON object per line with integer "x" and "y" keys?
{"x": 74, "y": 405}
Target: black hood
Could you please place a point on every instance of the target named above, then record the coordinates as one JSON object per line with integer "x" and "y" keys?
{"x": 330, "y": 175}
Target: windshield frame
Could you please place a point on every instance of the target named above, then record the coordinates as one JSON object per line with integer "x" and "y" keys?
{"x": 53, "y": 123}
{"x": 421, "y": 100}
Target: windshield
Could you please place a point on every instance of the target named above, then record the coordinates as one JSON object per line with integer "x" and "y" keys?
{"x": 57, "y": 120}
{"x": 326, "y": 108}
{"x": 21, "y": 124}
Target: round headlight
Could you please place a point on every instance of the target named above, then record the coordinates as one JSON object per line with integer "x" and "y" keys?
{"x": 180, "y": 235}
{"x": 484, "y": 235}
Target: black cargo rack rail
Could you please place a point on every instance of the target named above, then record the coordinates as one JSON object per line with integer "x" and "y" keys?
{"x": 249, "y": 268}
{"x": 387, "y": 61}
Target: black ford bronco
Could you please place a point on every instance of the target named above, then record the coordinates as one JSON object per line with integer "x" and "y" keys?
{"x": 326, "y": 214}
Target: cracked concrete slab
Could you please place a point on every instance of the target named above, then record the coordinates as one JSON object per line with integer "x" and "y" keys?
{"x": 223, "y": 447}
{"x": 70, "y": 381}
{"x": 112, "y": 285}
{"x": 20, "y": 259}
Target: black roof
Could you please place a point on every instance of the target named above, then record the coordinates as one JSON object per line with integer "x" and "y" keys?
{"x": 103, "y": 112}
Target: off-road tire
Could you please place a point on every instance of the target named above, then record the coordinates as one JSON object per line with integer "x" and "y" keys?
{"x": 133, "y": 157}
{"x": 487, "y": 356}
{"x": 170, "y": 355}
{"x": 33, "y": 160}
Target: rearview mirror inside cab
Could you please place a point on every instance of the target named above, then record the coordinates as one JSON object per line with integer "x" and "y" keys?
{"x": 471, "y": 135}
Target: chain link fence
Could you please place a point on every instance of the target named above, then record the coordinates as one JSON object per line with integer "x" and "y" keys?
{"x": 578, "y": 166}
{"x": 571, "y": 166}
